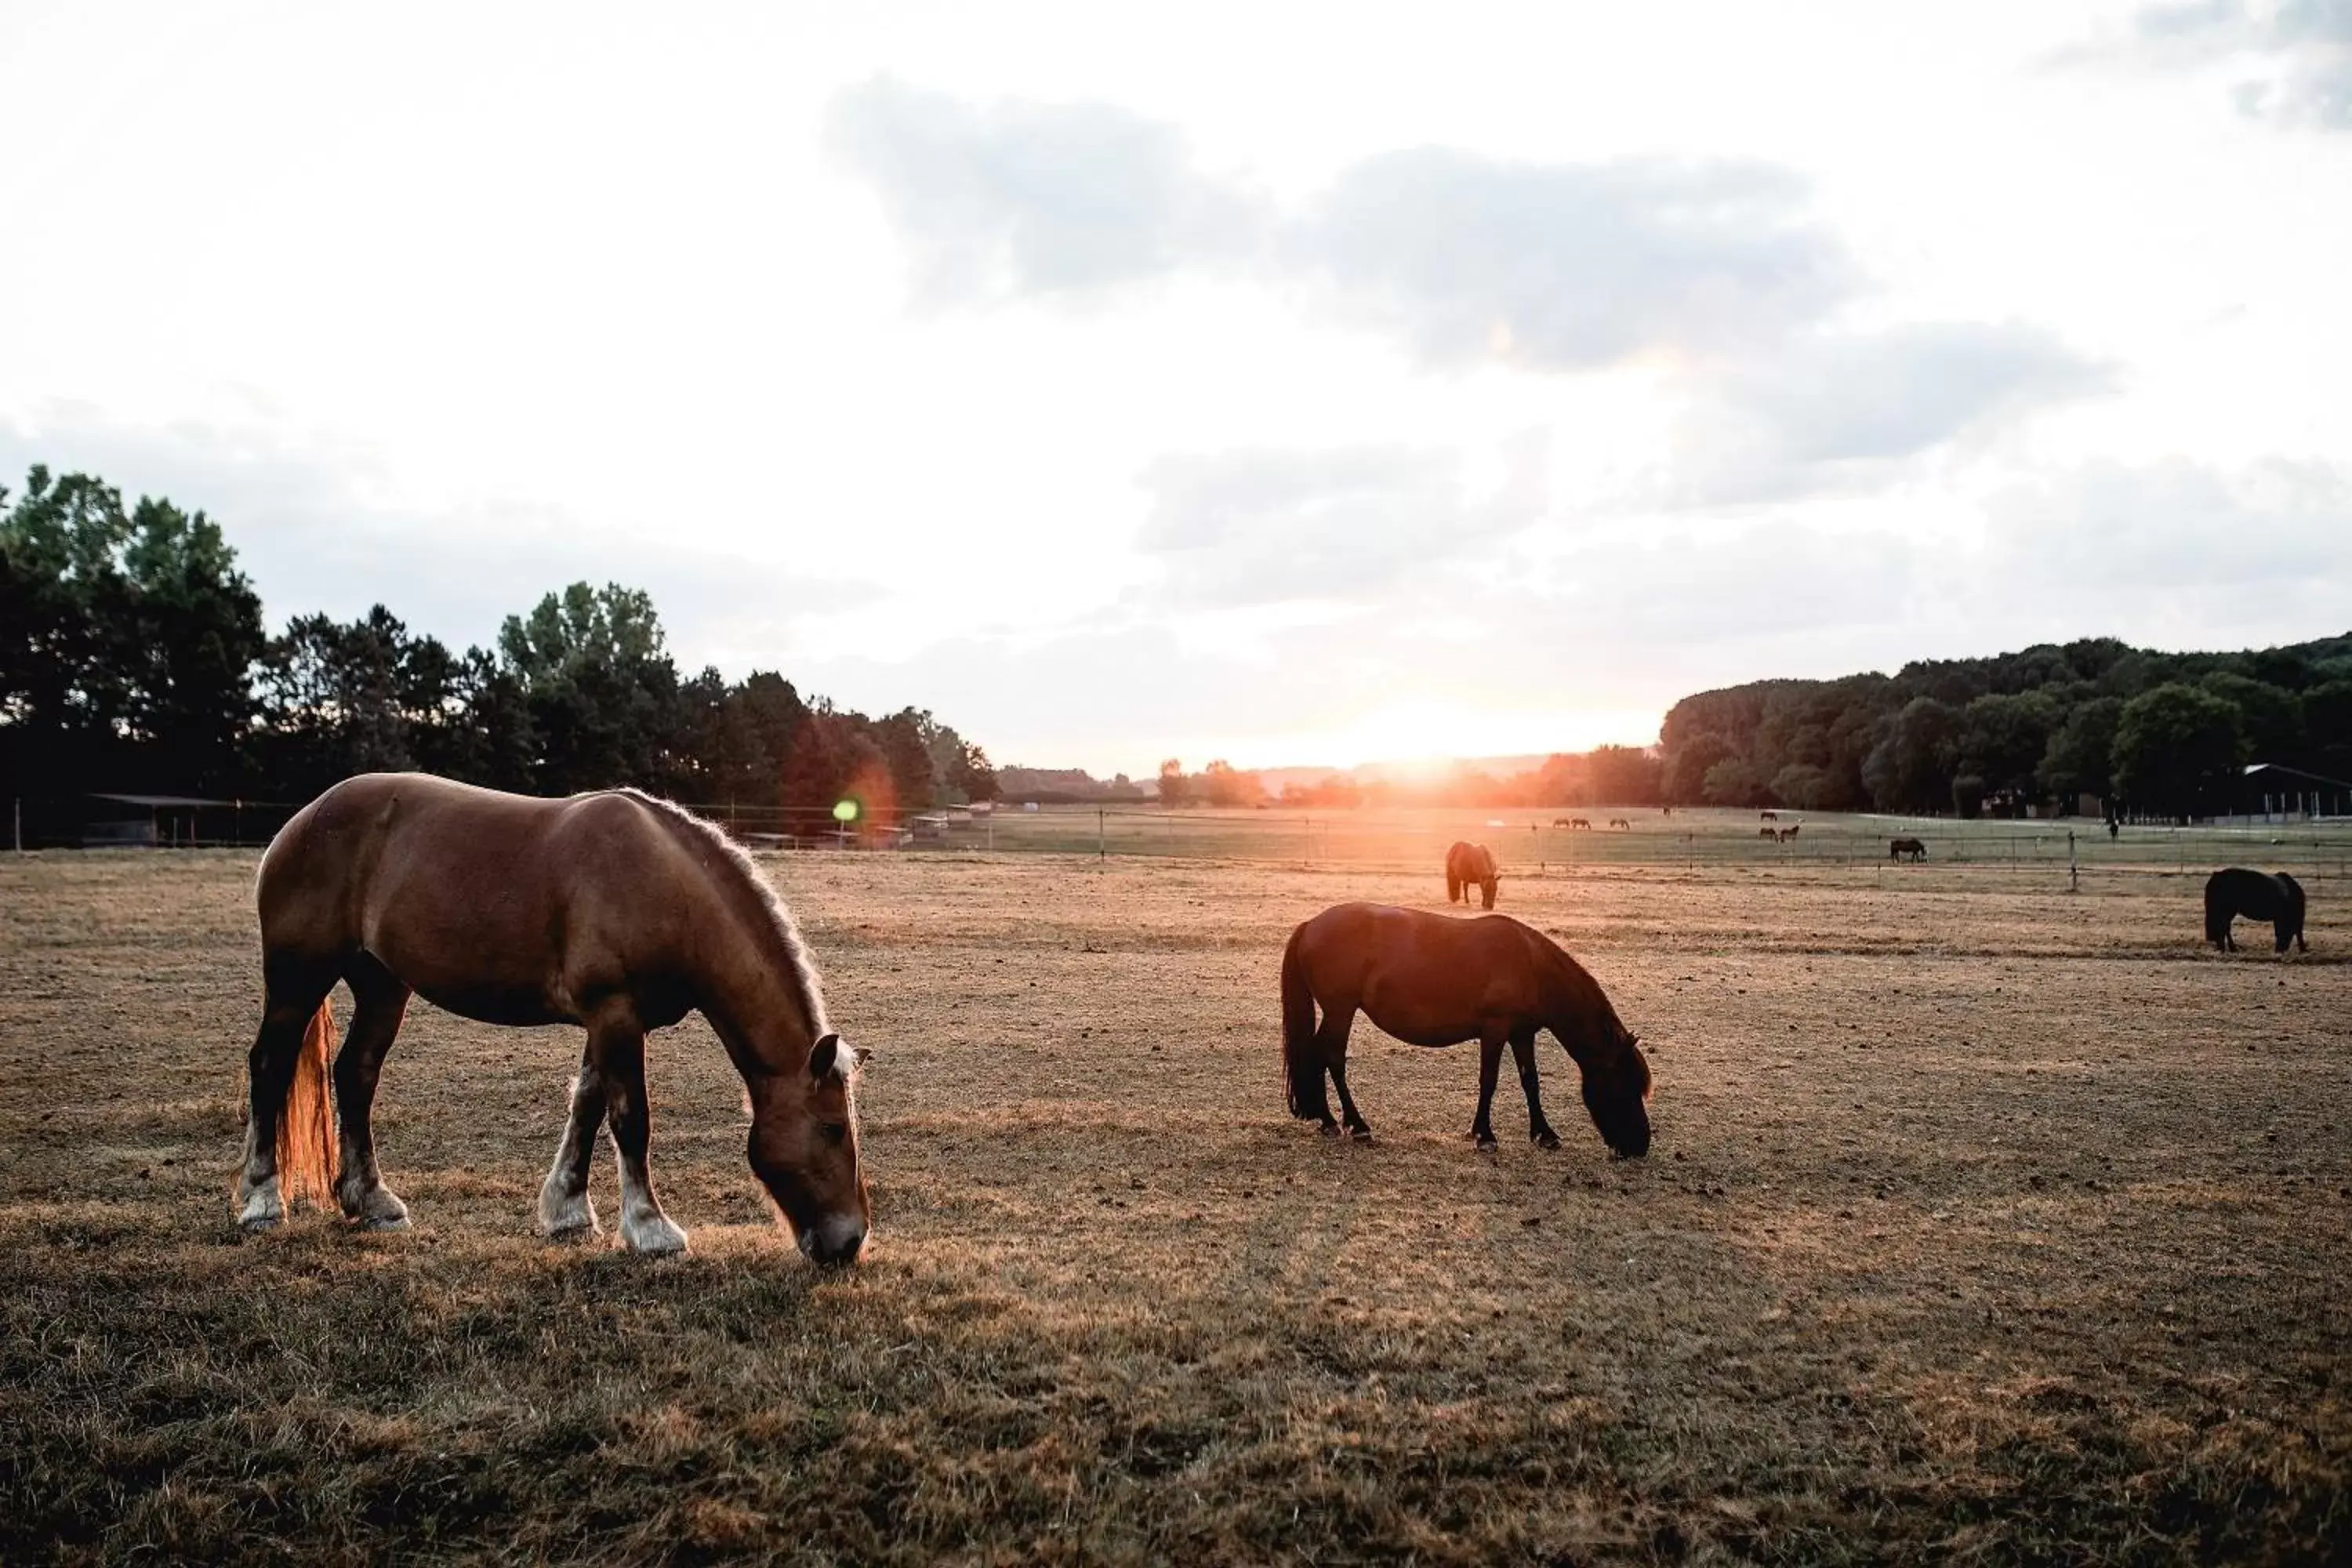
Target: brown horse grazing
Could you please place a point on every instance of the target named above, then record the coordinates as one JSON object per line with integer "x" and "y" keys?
{"x": 1469, "y": 866}
{"x": 1898, "y": 848}
{"x": 1433, "y": 981}
{"x": 615, "y": 911}
{"x": 2236, "y": 893}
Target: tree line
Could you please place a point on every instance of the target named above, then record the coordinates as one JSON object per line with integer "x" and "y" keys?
{"x": 2142, "y": 733}
{"x": 133, "y": 659}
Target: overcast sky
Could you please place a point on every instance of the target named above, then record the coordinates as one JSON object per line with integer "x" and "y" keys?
{"x": 1286, "y": 384}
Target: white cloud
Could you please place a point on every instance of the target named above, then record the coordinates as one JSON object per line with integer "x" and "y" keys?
{"x": 2290, "y": 60}
{"x": 1570, "y": 266}
{"x": 1025, "y": 198}
{"x": 1254, "y": 527}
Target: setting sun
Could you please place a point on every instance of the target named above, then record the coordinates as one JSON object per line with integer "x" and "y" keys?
{"x": 1425, "y": 735}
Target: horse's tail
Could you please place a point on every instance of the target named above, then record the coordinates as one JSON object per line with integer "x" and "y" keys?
{"x": 1302, "y": 1069}
{"x": 306, "y": 1134}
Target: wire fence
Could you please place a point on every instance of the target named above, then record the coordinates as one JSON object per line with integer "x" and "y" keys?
{"x": 1562, "y": 841}
{"x": 1545, "y": 844}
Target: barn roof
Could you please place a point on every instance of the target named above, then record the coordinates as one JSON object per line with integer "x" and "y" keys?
{"x": 157, "y": 801}
{"x": 2281, "y": 774}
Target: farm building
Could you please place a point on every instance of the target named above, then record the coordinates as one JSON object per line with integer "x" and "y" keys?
{"x": 2276, "y": 792}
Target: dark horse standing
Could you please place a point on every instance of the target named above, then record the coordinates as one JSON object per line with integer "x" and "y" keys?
{"x": 2256, "y": 896}
{"x": 1469, "y": 866}
{"x": 1433, "y": 981}
{"x": 613, "y": 911}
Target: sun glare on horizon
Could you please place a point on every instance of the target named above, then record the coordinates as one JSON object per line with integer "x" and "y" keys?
{"x": 1427, "y": 736}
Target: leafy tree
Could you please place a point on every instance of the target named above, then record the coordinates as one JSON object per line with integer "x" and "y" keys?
{"x": 1734, "y": 782}
{"x": 2076, "y": 762}
{"x": 2270, "y": 718}
{"x": 128, "y": 642}
{"x": 1624, "y": 775}
{"x": 2176, "y": 750}
{"x": 2327, "y": 723}
{"x": 2003, "y": 738}
{"x": 1804, "y": 786}
{"x": 1968, "y": 796}
{"x": 970, "y": 774}
{"x": 1225, "y": 785}
{"x": 1175, "y": 789}
{"x": 602, "y": 690}
{"x": 1688, "y": 765}
{"x": 1911, "y": 768}
{"x": 365, "y": 698}
{"x": 905, "y": 741}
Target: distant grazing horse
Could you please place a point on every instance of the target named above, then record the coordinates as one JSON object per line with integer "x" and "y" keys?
{"x": 1581, "y": 824}
{"x": 1469, "y": 866}
{"x": 1769, "y": 816}
{"x": 1431, "y": 981}
{"x": 1621, "y": 822}
{"x": 1789, "y": 832}
{"x": 615, "y": 911}
{"x": 1767, "y": 833}
{"x": 1903, "y": 848}
{"x": 2238, "y": 892}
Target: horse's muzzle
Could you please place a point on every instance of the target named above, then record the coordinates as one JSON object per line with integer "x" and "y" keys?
{"x": 834, "y": 1242}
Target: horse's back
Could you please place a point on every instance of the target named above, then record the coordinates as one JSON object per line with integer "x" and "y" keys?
{"x": 2257, "y": 895}
{"x": 1426, "y": 978}
{"x": 479, "y": 900}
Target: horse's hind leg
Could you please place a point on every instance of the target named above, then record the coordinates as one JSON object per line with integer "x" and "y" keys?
{"x": 619, "y": 1048}
{"x": 1331, "y": 1056}
{"x": 1335, "y": 1059}
{"x": 380, "y": 1001}
{"x": 565, "y": 1205}
{"x": 294, "y": 993}
{"x": 1523, "y": 1051}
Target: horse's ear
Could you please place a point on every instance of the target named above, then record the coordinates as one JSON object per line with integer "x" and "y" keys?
{"x": 825, "y": 1056}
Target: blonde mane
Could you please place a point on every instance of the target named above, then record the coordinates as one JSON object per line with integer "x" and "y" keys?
{"x": 805, "y": 984}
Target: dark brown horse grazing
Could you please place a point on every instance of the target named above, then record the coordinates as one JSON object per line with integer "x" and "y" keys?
{"x": 1896, "y": 849}
{"x": 615, "y": 911}
{"x": 1469, "y": 866}
{"x": 2238, "y": 892}
{"x": 1433, "y": 981}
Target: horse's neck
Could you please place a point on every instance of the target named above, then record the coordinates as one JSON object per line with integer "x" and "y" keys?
{"x": 1577, "y": 1011}
{"x": 750, "y": 988}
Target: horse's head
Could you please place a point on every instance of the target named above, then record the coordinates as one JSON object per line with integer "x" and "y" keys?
{"x": 1617, "y": 1093}
{"x": 803, "y": 1149}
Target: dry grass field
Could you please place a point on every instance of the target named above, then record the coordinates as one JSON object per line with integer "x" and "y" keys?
{"x": 1984, "y": 1223}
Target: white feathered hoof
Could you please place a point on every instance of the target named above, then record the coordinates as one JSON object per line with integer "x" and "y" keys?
{"x": 379, "y": 1210}
{"x": 565, "y": 1216}
{"x": 655, "y": 1236}
{"x": 262, "y": 1210}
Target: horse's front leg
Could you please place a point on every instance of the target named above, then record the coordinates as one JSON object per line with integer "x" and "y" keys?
{"x": 380, "y": 1002}
{"x": 1523, "y": 1051}
{"x": 1490, "y": 1067}
{"x": 620, "y": 1052}
{"x": 565, "y": 1207}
